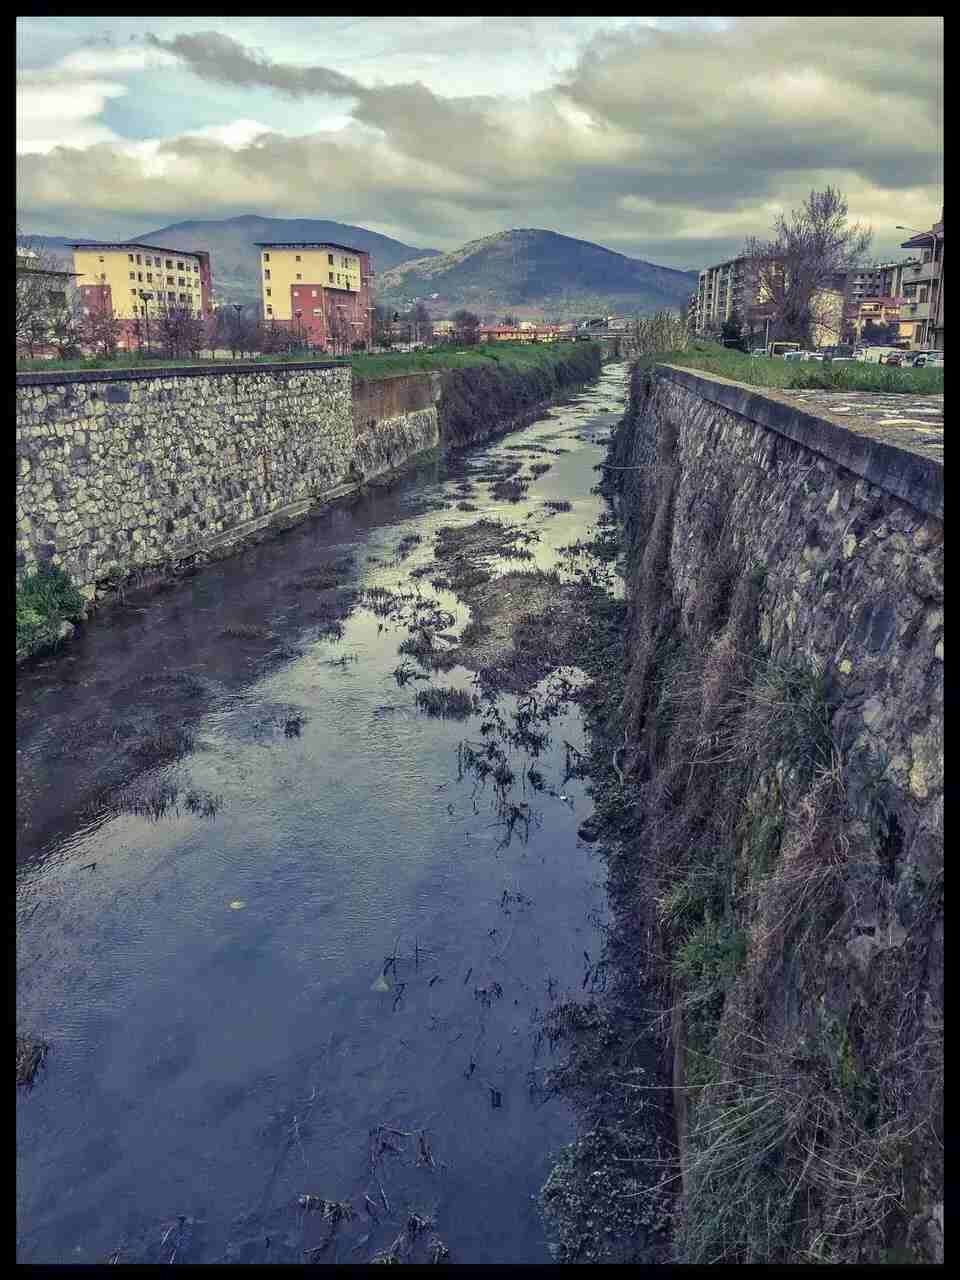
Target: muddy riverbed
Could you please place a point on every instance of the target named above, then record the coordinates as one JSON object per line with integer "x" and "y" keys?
{"x": 292, "y": 940}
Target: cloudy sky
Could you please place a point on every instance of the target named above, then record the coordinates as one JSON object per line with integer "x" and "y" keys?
{"x": 669, "y": 139}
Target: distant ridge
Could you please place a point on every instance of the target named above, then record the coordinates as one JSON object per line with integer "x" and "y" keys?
{"x": 531, "y": 268}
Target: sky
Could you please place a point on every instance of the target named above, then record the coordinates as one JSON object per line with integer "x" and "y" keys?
{"x": 668, "y": 139}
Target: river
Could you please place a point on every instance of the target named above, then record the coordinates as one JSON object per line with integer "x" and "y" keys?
{"x": 320, "y": 966}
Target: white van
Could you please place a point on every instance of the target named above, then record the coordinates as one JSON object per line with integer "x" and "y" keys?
{"x": 872, "y": 354}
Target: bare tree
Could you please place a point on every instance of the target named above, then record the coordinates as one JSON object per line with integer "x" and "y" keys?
{"x": 796, "y": 268}
{"x": 382, "y": 317}
{"x": 179, "y": 329}
{"x": 44, "y": 296}
{"x": 467, "y": 327}
{"x": 423, "y": 325}
{"x": 100, "y": 330}
{"x": 271, "y": 339}
{"x": 339, "y": 330}
{"x": 66, "y": 328}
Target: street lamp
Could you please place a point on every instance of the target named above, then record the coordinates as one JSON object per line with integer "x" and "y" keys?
{"x": 238, "y": 307}
{"x": 146, "y": 315}
{"x": 298, "y": 314}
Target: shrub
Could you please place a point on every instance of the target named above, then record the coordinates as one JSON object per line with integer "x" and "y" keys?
{"x": 45, "y": 600}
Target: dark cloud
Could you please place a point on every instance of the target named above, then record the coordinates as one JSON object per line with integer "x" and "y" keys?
{"x": 214, "y": 56}
{"x": 670, "y": 145}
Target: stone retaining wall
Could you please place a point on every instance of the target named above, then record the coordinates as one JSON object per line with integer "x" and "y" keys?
{"x": 117, "y": 470}
{"x": 121, "y": 472}
{"x": 763, "y": 538}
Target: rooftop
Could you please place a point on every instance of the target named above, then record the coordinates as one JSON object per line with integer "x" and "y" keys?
{"x": 306, "y": 244}
{"x": 132, "y": 244}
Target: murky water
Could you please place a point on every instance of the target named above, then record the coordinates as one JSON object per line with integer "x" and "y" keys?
{"x": 213, "y": 987}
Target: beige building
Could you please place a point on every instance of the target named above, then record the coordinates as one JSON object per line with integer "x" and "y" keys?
{"x": 722, "y": 290}
{"x": 133, "y": 280}
{"x": 922, "y": 307}
{"x": 319, "y": 291}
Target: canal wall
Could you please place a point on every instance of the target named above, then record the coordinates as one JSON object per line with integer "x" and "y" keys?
{"x": 135, "y": 473}
{"x": 782, "y": 778}
{"x": 118, "y": 470}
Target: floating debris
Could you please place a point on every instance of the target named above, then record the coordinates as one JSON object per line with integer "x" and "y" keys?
{"x": 30, "y": 1056}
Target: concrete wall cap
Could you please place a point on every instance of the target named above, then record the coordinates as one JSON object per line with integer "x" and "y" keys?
{"x": 909, "y": 476}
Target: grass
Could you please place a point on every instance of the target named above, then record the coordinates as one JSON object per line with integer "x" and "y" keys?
{"x": 447, "y": 704}
{"x": 800, "y": 375}
{"x": 506, "y": 355}
{"x": 45, "y": 600}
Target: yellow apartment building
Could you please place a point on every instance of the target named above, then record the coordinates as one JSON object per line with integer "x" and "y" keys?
{"x": 319, "y": 291}
{"x": 132, "y": 280}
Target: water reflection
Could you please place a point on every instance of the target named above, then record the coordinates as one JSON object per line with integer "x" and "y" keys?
{"x": 414, "y": 896}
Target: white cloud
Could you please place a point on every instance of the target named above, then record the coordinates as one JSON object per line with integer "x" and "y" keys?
{"x": 54, "y": 113}
{"x": 100, "y": 60}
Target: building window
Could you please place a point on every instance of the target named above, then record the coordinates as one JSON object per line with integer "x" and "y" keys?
{"x": 298, "y": 257}
{"x": 133, "y": 275}
{"x": 169, "y": 264}
{"x": 169, "y": 279}
{"x": 171, "y": 297}
{"x": 266, "y": 275}
{"x": 138, "y": 260}
{"x": 130, "y": 256}
{"x": 331, "y": 274}
{"x": 140, "y": 276}
{"x": 184, "y": 297}
{"x": 313, "y": 293}
{"x": 299, "y": 276}
{"x": 318, "y": 311}
{"x": 134, "y": 292}
{"x": 269, "y": 311}
{"x": 330, "y": 260}
{"x": 179, "y": 266}
{"x": 268, "y": 293}
{"x": 266, "y": 257}
{"x": 296, "y": 293}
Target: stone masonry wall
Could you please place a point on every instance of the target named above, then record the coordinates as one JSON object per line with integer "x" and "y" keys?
{"x": 760, "y": 538}
{"x": 120, "y": 470}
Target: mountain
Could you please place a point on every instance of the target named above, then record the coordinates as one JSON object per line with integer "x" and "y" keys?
{"x": 231, "y": 243}
{"x": 534, "y": 270}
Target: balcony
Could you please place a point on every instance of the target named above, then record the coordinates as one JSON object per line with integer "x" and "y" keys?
{"x": 923, "y": 271}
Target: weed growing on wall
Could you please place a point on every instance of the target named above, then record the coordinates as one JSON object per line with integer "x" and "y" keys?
{"x": 804, "y": 1026}
{"x": 45, "y": 600}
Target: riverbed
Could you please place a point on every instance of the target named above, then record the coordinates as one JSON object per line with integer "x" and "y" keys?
{"x": 299, "y": 956}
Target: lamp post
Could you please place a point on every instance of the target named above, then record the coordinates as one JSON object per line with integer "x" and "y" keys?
{"x": 146, "y": 315}
{"x": 238, "y": 307}
{"x": 298, "y": 314}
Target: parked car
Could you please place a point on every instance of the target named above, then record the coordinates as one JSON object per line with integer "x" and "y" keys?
{"x": 812, "y": 355}
{"x": 757, "y": 352}
{"x": 895, "y": 358}
{"x": 794, "y": 355}
{"x": 928, "y": 360}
